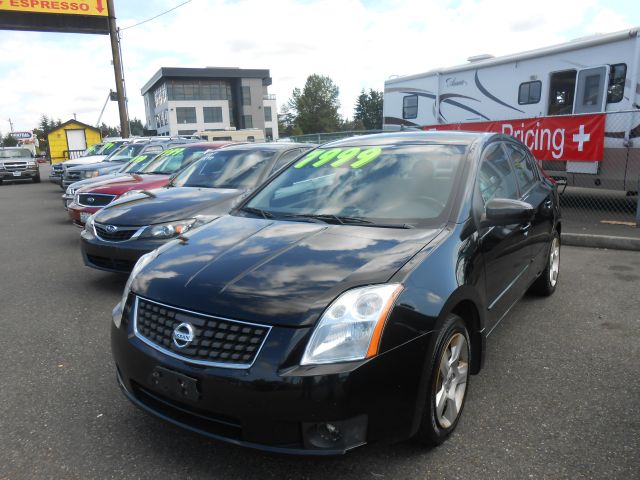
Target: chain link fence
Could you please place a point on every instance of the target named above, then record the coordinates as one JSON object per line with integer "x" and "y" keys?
{"x": 602, "y": 197}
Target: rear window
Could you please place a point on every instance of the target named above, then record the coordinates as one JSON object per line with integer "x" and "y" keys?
{"x": 411, "y": 184}
{"x": 174, "y": 159}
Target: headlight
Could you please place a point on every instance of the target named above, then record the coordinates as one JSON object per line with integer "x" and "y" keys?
{"x": 88, "y": 225}
{"x": 350, "y": 329}
{"x": 31, "y": 164}
{"x": 140, "y": 264}
{"x": 129, "y": 193}
{"x": 90, "y": 174}
{"x": 168, "y": 230}
{"x": 70, "y": 191}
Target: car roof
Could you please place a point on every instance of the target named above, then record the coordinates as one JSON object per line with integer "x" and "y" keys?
{"x": 413, "y": 137}
{"x": 269, "y": 146}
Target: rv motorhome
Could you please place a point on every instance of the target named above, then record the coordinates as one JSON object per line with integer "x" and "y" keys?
{"x": 575, "y": 105}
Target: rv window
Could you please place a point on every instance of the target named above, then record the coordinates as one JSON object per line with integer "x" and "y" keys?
{"x": 617, "y": 76}
{"x": 410, "y": 106}
{"x": 529, "y": 92}
{"x": 561, "y": 88}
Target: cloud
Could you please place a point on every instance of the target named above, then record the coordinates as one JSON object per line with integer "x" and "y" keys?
{"x": 358, "y": 43}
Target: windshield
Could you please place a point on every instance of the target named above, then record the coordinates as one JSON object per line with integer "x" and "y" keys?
{"x": 226, "y": 169}
{"x": 108, "y": 148}
{"x": 125, "y": 153}
{"x": 17, "y": 153}
{"x": 138, "y": 163}
{"x": 174, "y": 159}
{"x": 92, "y": 150}
{"x": 400, "y": 185}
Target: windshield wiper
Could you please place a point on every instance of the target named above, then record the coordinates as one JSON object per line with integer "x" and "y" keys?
{"x": 256, "y": 211}
{"x": 342, "y": 220}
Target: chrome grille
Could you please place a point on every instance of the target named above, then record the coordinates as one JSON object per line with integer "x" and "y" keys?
{"x": 15, "y": 166}
{"x": 217, "y": 341}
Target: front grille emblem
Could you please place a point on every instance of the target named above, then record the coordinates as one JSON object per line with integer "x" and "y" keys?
{"x": 91, "y": 199}
{"x": 111, "y": 228}
{"x": 183, "y": 335}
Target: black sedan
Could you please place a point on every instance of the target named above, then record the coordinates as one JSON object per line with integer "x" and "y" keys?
{"x": 347, "y": 300}
{"x": 122, "y": 232}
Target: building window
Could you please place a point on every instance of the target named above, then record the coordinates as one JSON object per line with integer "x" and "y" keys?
{"x": 247, "y": 120}
{"x": 160, "y": 95}
{"x": 186, "y": 132}
{"x": 617, "y": 76}
{"x": 246, "y": 96}
{"x": 410, "y": 106}
{"x": 268, "y": 132}
{"x": 212, "y": 114}
{"x": 186, "y": 114}
{"x": 267, "y": 114}
{"x": 529, "y": 92}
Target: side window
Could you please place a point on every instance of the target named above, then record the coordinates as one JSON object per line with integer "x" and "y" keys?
{"x": 617, "y": 77}
{"x": 525, "y": 171}
{"x": 286, "y": 158}
{"x": 495, "y": 178}
{"x": 410, "y": 106}
{"x": 529, "y": 92}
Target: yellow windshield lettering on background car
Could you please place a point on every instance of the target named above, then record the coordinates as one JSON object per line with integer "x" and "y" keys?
{"x": 138, "y": 159}
{"x": 341, "y": 157}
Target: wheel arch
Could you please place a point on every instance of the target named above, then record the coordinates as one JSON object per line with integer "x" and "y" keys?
{"x": 468, "y": 311}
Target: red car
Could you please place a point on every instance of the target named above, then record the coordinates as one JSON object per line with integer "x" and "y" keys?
{"x": 157, "y": 174}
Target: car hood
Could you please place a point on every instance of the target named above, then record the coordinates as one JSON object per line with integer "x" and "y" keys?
{"x": 95, "y": 166}
{"x": 168, "y": 205}
{"x": 134, "y": 181}
{"x": 103, "y": 179}
{"x": 274, "y": 272}
{"x": 83, "y": 160}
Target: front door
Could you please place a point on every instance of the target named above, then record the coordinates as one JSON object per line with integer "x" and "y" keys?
{"x": 506, "y": 249}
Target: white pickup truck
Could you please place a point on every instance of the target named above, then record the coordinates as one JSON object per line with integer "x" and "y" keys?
{"x": 18, "y": 163}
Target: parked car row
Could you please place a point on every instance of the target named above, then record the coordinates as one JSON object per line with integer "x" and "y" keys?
{"x": 312, "y": 300}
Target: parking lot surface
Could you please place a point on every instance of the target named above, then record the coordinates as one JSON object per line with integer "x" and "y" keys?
{"x": 559, "y": 396}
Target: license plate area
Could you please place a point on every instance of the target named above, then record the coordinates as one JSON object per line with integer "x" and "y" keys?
{"x": 174, "y": 385}
{"x": 17, "y": 174}
{"x": 84, "y": 216}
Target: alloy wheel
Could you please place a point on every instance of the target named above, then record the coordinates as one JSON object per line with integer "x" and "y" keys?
{"x": 451, "y": 384}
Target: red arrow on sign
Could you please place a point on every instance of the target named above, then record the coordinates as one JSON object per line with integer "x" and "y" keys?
{"x": 99, "y": 6}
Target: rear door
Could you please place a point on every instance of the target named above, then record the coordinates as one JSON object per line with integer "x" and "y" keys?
{"x": 506, "y": 249}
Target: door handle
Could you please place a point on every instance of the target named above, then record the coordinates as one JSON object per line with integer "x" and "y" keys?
{"x": 525, "y": 228}
{"x": 548, "y": 204}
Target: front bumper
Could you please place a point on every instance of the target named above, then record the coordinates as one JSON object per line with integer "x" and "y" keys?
{"x": 19, "y": 174}
{"x": 278, "y": 409}
{"x": 114, "y": 256}
{"x": 79, "y": 214}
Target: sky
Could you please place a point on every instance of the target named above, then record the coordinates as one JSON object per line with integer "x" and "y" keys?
{"x": 357, "y": 43}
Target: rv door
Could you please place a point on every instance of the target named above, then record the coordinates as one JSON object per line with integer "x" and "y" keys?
{"x": 591, "y": 90}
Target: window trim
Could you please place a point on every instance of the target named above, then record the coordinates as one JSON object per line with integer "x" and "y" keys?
{"x": 529, "y": 92}
{"x": 404, "y": 106}
{"x": 503, "y": 145}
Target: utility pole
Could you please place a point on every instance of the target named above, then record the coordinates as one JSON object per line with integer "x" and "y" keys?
{"x": 117, "y": 67}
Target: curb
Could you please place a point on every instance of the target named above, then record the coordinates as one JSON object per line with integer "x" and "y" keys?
{"x": 601, "y": 241}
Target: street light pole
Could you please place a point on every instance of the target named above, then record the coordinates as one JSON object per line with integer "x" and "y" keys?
{"x": 117, "y": 67}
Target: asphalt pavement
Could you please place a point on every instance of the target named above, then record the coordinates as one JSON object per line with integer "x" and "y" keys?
{"x": 559, "y": 396}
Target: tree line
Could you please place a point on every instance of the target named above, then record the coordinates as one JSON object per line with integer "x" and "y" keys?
{"x": 315, "y": 109}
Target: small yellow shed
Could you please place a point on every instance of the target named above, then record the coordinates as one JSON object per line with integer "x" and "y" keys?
{"x": 71, "y": 139}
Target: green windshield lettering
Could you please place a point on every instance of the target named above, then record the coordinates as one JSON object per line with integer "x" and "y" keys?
{"x": 346, "y": 156}
{"x": 327, "y": 156}
{"x": 313, "y": 155}
{"x": 366, "y": 157}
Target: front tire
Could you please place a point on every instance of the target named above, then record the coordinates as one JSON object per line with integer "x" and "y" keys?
{"x": 36, "y": 179}
{"x": 547, "y": 282}
{"x": 448, "y": 383}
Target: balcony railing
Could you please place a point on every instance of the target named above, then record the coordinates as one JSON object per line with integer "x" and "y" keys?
{"x": 269, "y": 96}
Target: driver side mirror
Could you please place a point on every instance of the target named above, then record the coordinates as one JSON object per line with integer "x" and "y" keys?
{"x": 505, "y": 211}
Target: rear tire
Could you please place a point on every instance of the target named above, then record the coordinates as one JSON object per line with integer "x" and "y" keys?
{"x": 448, "y": 383}
{"x": 547, "y": 282}
{"x": 36, "y": 179}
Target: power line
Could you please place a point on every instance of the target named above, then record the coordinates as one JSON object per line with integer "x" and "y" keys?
{"x": 159, "y": 15}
